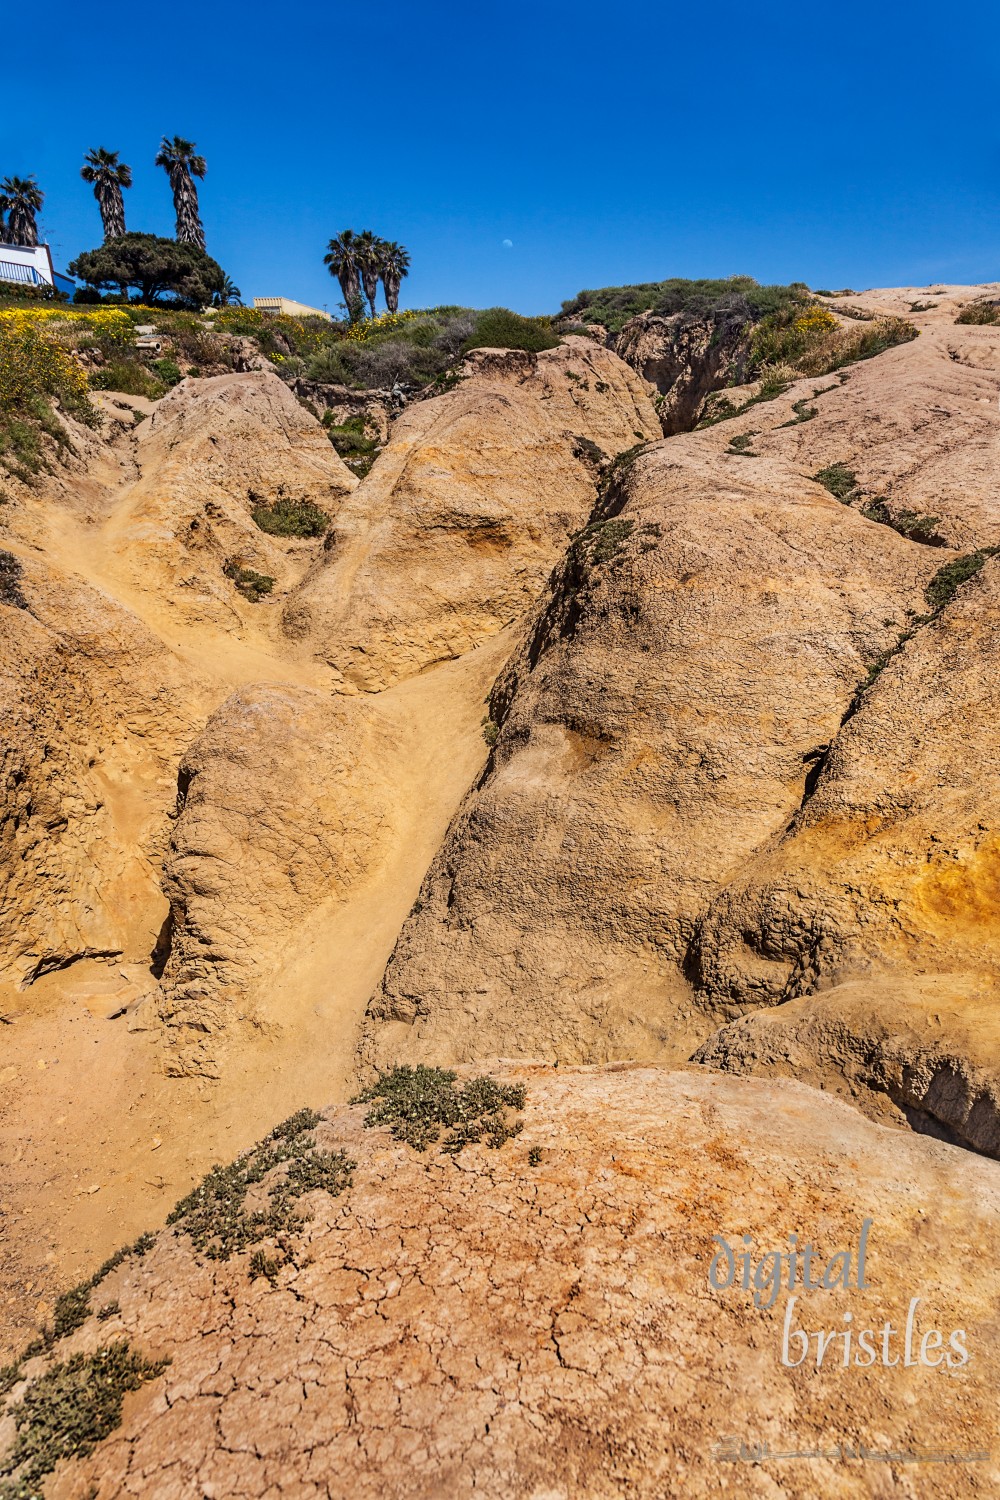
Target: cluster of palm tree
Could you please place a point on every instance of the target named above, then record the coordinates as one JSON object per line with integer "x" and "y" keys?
{"x": 363, "y": 260}
{"x": 20, "y": 201}
{"x": 182, "y": 164}
{"x": 21, "y": 197}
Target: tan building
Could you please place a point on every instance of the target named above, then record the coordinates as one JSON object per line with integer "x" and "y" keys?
{"x": 290, "y": 308}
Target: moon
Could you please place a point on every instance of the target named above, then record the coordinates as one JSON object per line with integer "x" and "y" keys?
{"x": 507, "y": 244}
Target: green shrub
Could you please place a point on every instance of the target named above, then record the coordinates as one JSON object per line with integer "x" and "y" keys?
{"x": 36, "y": 371}
{"x": 129, "y": 377}
{"x": 253, "y": 586}
{"x": 613, "y": 306}
{"x": 908, "y": 523}
{"x": 839, "y": 480}
{"x": 351, "y": 440}
{"x": 168, "y": 370}
{"x": 287, "y": 517}
{"x": 948, "y": 580}
{"x": 499, "y": 328}
{"x": 215, "y": 1216}
{"x": 10, "y": 581}
{"x": 980, "y": 312}
{"x": 419, "y": 1104}
{"x": 67, "y": 1411}
{"x": 741, "y": 446}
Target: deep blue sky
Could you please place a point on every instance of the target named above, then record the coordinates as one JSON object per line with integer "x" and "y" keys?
{"x": 847, "y": 145}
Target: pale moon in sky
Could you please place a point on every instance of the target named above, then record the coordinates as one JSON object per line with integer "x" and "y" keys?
{"x": 507, "y": 244}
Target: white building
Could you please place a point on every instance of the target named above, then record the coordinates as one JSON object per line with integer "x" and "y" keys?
{"x": 31, "y": 265}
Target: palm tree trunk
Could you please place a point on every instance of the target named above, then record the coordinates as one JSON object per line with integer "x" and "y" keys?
{"x": 112, "y": 208}
{"x": 391, "y": 287}
{"x": 189, "y": 225}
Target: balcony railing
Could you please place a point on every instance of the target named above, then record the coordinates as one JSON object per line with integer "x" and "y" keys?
{"x": 11, "y": 271}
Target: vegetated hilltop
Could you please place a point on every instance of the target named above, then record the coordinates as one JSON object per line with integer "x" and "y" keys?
{"x": 545, "y": 738}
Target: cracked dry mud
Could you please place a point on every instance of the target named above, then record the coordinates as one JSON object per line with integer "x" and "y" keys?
{"x": 482, "y": 1326}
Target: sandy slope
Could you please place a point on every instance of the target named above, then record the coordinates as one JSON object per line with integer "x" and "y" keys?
{"x": 95, "y": 1141}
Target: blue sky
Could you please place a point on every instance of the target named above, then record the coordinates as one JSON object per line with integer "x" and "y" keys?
{"x": 848, "y": 145}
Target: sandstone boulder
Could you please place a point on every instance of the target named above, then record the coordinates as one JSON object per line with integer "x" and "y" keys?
{"x": 215, "y": 449}
{"x": 451, "y": 536}
{"x": 891, "y": 865}
{"x": 686, "y": 358}
{"x": 911, "y": 1051}
{"x": 94, "y": 711}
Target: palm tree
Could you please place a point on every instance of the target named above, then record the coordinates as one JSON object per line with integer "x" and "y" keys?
{"x": 109, "y": 176}
{"x": 370, "y": 264}
{"x": 20, "y": 199}
{"x": 342, "y": 259}
{"x": 395, "y": 265}
{"x": 182, "y": 165}
{"x": 228, "y": 294}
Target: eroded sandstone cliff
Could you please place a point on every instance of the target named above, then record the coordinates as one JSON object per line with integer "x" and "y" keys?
{"x": 570, "y": 742}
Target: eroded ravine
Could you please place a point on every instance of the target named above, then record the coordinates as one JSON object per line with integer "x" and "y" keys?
{"x": 118, "y": 1090}
{"x": 686, "y": 672}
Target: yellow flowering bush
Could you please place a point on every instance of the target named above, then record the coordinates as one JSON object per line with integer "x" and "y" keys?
{"x": 33, "y": 364}
{"x": 814, "y": 342}
{"x": 816, "y": 321}
{"x": 275, "y": 333}
{"x": 35, "y": 369}
{"x": 360, "y": 332}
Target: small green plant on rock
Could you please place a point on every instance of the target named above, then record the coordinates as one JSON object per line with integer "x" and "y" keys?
{"x": 352, "y": 441}
{"x": 10, "y": 581}
{"x": 67, "y": 1411}
{"x": 948, "y": 580}
{"x": 980, "y": 312}
{"x": 741, "y": 446}
{"x": 262, "y": 1264}
{"x": 253, "y": 586}
{"x": 288, "y": 517}
{"x": 128, "y": 376}
{"x": 908, "y": 523}
{"x": 215, "y": 1215}
{"x": 168, "y": 370}
{"x": 421, "y": 1104}
{"x": 839, "y": 480}
{"x": 604, "y": 541}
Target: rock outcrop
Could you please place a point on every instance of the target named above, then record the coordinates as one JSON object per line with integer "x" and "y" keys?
{"x": 733, "y": 757}
{"x": 538, "y": 1320}
{"x": 916, "y": 1051}
{"x": 213, "y": 451}
{"x": 697, "y": 653}
{"x": 686, "y": 358}
{"x": 893, "y": 863}
{"x": 94, "y": 713}
{"x": 453, "y": 533}
{"x": 734, "y": 798}
{"x": 283, "y": 804}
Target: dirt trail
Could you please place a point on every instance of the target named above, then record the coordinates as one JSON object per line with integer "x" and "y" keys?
{"x": 96, "y": 1144}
